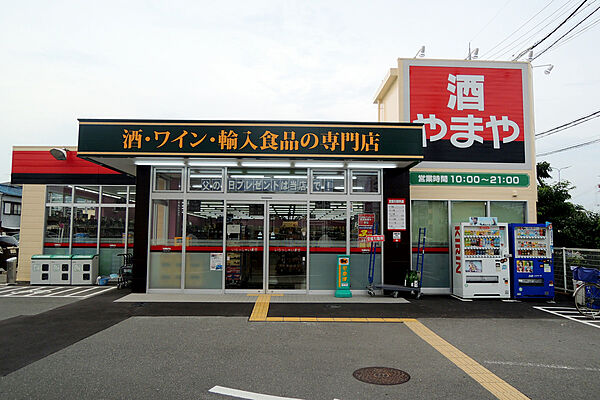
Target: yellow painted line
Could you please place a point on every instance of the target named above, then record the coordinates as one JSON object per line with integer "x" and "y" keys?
{"x": 330, "y": 319}
{"x": 480, "y": 374}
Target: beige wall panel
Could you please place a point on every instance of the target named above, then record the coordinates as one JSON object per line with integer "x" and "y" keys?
{"x": 391, "y": 110}
{"x": 32, "y": 228}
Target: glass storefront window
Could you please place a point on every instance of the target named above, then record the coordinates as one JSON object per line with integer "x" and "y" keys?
{"x": 114, "y": 194}
{"x": 112, "y": 238}
{"x": 87, "y": 194}
{"x": 327, "y": 240}
{"x": 167, "y": 179}
{"x": 165, "y": 244}
{"x": 359, "y": 250}
{"x": 131, "y": 194}
{"x": 85, "y": 230}
{"x": 328, "y": 181}
{"x": 433, "y": 215}
{"x": 56, "y": 237}
{"x": 241, "y": 180}
{"x": 462, "y": 210}
{"x": 205, "y": 180}
{"x": 204, "y": 226}
{"x": 328, "y": 225}
{"x": 59, "y": 194}
{"x": 365, "y": 181}
{"x": 130, "y": 228}
{"x": 363, "y": 207}
{"x": 87, "y": 212}
{"x": 509, "y": 211}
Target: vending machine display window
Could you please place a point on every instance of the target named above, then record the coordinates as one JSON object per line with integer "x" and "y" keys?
{"x": 481, "y": 261}
{"x": 531, "y": 267}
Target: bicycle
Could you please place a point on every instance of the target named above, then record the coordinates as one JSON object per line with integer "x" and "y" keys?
{"x": 587, "y": 295}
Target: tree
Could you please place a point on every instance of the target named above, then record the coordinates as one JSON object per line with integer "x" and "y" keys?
{"x": 573, "y": 225}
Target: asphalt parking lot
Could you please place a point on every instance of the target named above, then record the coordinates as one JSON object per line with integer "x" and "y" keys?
{"x": 95, "y": 348}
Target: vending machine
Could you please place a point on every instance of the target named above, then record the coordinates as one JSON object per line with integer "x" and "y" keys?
{"x": 481, "y": 259}
{"x": 532, "y": 267}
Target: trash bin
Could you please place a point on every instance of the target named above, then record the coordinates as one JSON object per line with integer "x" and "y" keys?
{"x": 11, "y": 273}
{"x": 40, "y": 269}
{"x": 84, "y": 269}
{"x": 60, "y": 269}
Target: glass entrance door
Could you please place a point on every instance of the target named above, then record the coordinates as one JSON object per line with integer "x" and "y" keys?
{"x": 272, "y": 261}
{"x": 287, "y": 246}
{"x": 245, "y": 244}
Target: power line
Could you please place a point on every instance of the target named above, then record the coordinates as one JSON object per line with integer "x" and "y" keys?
{"x": 568, "y": 125}
{"x": 578, "y": 33}
{"x": 568, "y": 148}
{"x": 549, "y": 34}
{"x": 491, "y": 20}
{"x": 491, "y": 54}
{"x": 530, "y": 34}
{"x": 569, "y": 31}
{"x": 561, "y": 14}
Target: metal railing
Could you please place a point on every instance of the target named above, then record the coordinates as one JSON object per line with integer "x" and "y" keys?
{"x": 564, "y": 258}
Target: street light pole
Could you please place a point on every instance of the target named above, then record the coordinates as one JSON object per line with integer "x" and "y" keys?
{"x": 560, "y": 169}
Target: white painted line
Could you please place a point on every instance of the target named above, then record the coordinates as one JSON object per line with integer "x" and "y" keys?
{"x": 554, "y": 366}
{"x": 567, "y": 317}
{"x": 62, "y": 292}
{"x": 38, "y": 291}
{"x": 98, "y": 292}
{"x": 8, "y": 288}
{"x": 75, "y": 294}
{"x": 460, "y": 298}
{"x": 241, "y": 394}
{"x": 7, "y": 293}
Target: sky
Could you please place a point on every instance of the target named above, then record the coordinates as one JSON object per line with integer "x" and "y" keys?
{"x": 270, "y": 60}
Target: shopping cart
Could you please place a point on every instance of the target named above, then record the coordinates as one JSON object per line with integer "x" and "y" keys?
{"x": 587, "y": 292}
{"x": 125, "y": 271}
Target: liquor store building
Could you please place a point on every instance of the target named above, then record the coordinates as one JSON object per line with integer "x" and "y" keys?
{"x": 267, "y": 206}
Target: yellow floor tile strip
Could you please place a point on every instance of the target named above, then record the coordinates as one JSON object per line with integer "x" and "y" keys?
{"x": 261, "y": 308}
{"x": 482, "y": 375}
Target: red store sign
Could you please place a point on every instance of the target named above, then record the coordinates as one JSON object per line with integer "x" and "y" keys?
{"x": 470, "y": 114}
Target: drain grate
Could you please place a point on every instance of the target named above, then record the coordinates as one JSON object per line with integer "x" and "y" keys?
{"x": 381, "y": 375}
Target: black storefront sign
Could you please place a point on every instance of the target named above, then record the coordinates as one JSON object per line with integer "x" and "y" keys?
{"x": 355, "y": 140}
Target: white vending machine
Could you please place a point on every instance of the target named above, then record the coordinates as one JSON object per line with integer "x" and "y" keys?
{"x": 481, "y": 260}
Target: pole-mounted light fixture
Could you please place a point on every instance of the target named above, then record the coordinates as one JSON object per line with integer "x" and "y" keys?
{"x": 547, "y": 70}
{"x": 59, "y": 154}
{"x": 420, "y": 53}
{"x": 473, "y": 54}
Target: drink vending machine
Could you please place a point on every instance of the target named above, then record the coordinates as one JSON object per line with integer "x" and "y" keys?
{"x": 481, "y": 265}
{"x": 532, "y": 267}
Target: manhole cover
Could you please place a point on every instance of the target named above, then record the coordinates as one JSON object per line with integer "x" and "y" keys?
{"x": 381, "y": 375}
